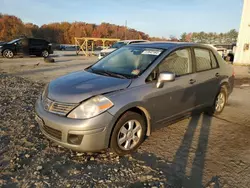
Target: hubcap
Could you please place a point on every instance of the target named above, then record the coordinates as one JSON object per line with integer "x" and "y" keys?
{"x": 8, "y": 53}
{"x": 220, "y": 102}
{"x": 45, "y": 53}
{"x": 129, "y": 135}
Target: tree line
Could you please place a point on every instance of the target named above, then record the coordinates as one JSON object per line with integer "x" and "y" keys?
{"x": 229, "y": 37}
{"x": 64, "y": 32}
{"x": 12, "y": 27}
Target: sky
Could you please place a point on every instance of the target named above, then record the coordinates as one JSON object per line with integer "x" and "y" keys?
{"x": 159, "y": 18}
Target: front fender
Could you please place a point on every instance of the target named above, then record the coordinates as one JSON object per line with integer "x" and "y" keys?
{"x": 127, "y": 99}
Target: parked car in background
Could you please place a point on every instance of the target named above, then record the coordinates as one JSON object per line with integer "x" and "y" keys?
{"x": 122, "y": 98}
{"x": 117, "y": 45}
{"x": 225, "y": 50}
{"x": 1, "y": 42}
{"x": 26, "y": 46}
{"x": 69, "y": 47}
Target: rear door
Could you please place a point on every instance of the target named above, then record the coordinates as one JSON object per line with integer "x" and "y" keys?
{"x": 206, "y": 77}
{"x": 36, "y": 46}
{"x": 32, "y": 46}
{"x": 177, "y": 97}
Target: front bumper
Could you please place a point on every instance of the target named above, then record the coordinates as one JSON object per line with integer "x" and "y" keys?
{"x": 95, "y": 131}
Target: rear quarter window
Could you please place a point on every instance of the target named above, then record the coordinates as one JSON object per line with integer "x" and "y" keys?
{"x": 213, "y": 60}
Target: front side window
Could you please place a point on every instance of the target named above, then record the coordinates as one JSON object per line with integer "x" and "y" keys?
{"x": 130, "y": 61}
{"x": 178, "y": 62}
{"x": 204, "y": 59}
{"x": 14, "y": 41}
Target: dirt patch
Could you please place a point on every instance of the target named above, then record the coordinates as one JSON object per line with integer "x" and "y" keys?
{"x": 240, "y": 81}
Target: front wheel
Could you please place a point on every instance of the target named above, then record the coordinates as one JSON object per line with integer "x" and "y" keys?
{"x": 45, "y": 53}
{"x": 220, "y": 102}
{"x": 128, "y": 134}
{"x": 8, "y": 53}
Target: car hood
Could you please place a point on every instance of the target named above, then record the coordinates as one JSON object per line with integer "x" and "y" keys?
{"x": 79, "y": 86}
{"x": 109, "y": 50}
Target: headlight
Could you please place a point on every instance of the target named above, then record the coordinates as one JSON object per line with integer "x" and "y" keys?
{"x": 91, "y": 108}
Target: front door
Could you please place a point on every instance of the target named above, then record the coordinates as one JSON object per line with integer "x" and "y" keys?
{"x": 19, "y": 46}
{"x": 176, "y": 97}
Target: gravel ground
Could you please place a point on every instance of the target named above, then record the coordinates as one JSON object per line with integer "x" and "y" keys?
{"x": 200, "y": 151}
{"x": 28, "y": 159}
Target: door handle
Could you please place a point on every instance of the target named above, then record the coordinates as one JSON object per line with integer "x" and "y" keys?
{"x": 217, "y": 74}
{"x": 192, "y": 81}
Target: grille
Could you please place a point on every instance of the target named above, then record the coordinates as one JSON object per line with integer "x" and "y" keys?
{"x": 53, "y": 132}
{"x": 56, "y": 107}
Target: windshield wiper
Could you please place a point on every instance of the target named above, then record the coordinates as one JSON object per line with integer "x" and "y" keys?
{"x": 99, "y": 72}
{"x": 108, "y": 73}
{"x": 115, "y": 74}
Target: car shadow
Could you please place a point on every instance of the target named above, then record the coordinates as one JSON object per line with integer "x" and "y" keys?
{"x": 182, "y": 154}
{"x": 175, "y": 170}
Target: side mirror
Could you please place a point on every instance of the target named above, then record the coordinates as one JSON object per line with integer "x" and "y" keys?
{"x": 165, "y": 77}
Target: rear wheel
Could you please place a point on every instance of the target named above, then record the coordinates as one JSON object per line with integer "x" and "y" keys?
{"x": 128, "y": 134}
{"x": 220, "y": 102}
{"x": 45, "y": 53}
{"x": 8, "y": 53}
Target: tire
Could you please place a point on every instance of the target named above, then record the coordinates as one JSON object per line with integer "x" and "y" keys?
{"x": 8, "y": 53}
{"x": 219, "y": 102}
{"x": 128, "y": 134}
{"x": 45, "y": 53}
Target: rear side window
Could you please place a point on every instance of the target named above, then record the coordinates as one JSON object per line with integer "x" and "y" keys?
{"x": 205, "y": 59}
{"x": 178, "y": 62}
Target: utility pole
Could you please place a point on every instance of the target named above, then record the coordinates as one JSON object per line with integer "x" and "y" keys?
{"x": 125, "y": 29}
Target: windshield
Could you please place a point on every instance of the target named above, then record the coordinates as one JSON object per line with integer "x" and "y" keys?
{"x": 118, "y": 45}
{"x": 13, "y": 41}
{"x": 128, "y": 61}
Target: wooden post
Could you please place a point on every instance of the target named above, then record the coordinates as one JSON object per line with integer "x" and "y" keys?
{"x": 92, "y": 46}
{"x": 86, "y": 45}
{"x": 83, "y": 44}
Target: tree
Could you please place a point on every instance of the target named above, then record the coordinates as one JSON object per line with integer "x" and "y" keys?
{"x": 183, "y": 37}
{"x": 31, "y": 29}
{"x": 10, "y": 27}
{"x": 64, "y": 32}
{"x": 173, "y": 38}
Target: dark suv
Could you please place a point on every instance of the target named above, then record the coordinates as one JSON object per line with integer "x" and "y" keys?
{"x": 26, "y": 46}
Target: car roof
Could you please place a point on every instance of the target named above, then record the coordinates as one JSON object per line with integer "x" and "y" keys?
{"x": 36, "y": 38}
{"x": 168, "y": 45}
